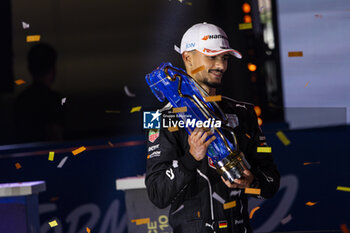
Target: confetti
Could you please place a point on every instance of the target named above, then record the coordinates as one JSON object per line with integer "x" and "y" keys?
{"x": 307, "y": 84}
{"x": 189, "y": 3}
{"x": 253, "y": 211}
{"x": 309, "y": 203}
{"x": 51, "y": 155}
{"x": 308, "y": 163}
{"x": 33, "y": 38}
{"x": 264, "y": 149}
{"x": 25, "y": 25}
{"x": 229, "y": 205}
{"x": 248, "y": 136}
{"x": 181, "y": 109}
{"x": 110, "y": 144}
{"x": 252, "y": 191}
{"x": 283, "y": 138}
{"x": 53, "y": 223}
{"x": 88, "y": 230}
{"x": 199, "y": 69}
{"x": 79, "y": 150}
{"x": 342, "y": 188}
{"x": 18, "y": 166}
{"x": 20, "y": 82}
{"x": 60, "y": 165}
{"x": 286, "y": 219}
{"x": 135, "y": 109}
{"x": 177, "y": 49}
{"x": 112, "y": 111}
{"x": 63, "y": 100}
{"x": 53, "y": 199}
{"x": 245, "y": 26}
{"x": 141, "y": 221}
{"x": 127, "y": 92}
{"x": 295, "y": 54}
{"x": 214, "y": 98}
{"x": 173, "y": 129}
{"x": 344, "y": 228}
{"x": 318, "y": 16}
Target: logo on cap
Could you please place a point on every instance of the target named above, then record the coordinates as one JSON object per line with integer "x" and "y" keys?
{"x": 214, "y": 37}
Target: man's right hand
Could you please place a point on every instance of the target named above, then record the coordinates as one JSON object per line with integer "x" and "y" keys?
{"x": 198, "y": 145}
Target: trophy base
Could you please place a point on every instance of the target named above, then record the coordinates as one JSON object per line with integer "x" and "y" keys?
{"x": 231, "y": 167}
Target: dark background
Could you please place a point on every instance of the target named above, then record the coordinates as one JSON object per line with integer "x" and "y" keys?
{"x": 104, "y": 46}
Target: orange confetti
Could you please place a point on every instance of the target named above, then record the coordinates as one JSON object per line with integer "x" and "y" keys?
{"x": 229, "y": 205}
{"x": 344, "y": 228}
{"x": 110, "y": 144}
{"x": 248, "y": 136}
{"x": 173, "y": 129}
{"x": 33, "y": 38}
{"x": 88, "y": 230}
{"x": 181, "y": 109}
{"x": 79, "y": 150}
{"x": 252, "y": 191}
{"x": 199, "y": 69}
{"x": 307, "y": 84}
{"x": 308, "y": 163}
{"x": 295, "y": 54}
{"x": 253, "y": 211}
{"x": 309, "y": 203}
{"x": 18, "y": 166}
{"x": 20, "y": 82}
{"x": 53, "y": 199}
{"x": 141, "y": 221}
{"x": 214, "y": 98}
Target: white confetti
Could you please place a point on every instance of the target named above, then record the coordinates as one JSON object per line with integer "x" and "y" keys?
{"x": 60, "y": 165}
{"x": 128, "y": 93}
{"x": 177, "y": 49}
{"x": 63, "y": 100}
{"x": 25, "y": 25}
{"x": 286, "y": 219}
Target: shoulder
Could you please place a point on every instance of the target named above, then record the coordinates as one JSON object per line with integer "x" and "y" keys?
{"x": 238, "y": 105}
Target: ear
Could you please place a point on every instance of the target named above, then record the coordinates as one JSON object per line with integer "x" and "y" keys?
{"x": 187, "y": 58}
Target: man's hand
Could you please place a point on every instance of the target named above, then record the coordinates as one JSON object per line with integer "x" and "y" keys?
{"x": 198, "y": 145}
{"x": 242, "y": 183}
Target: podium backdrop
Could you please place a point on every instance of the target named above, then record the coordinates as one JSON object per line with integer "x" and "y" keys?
{"x": 82, "y": 193}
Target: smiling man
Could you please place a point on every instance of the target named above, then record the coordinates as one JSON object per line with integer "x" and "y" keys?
{"x": 180, "y": 174}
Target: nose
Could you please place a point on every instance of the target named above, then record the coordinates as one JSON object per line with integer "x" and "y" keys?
{"x": 220, "y": 64}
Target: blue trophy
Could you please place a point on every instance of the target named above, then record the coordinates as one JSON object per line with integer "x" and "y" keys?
{"x": 181, "y": 90}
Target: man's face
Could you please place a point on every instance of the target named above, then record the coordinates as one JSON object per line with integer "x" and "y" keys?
{"x": 215, "y": 67}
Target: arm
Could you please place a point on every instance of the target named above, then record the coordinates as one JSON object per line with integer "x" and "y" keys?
{"x": 266, "y": 175}
{"x": 170, "y": 167}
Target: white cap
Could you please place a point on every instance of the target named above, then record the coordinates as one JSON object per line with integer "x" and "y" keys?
{"x": 207, "y": 39}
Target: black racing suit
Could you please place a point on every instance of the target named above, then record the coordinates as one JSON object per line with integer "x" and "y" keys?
{"x": 194, "y": 189}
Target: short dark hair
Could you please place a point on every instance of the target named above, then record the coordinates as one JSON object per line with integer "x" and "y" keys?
{"x": 41, "y": 59}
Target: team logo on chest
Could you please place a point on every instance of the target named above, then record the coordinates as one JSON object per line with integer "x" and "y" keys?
{"x": 153, "y": 135}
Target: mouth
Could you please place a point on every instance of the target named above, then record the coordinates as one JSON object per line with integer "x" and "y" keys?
{"x": 216, "y": 74}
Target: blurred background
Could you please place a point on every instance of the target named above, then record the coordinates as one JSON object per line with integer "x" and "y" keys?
{"x": 296, "y": 55}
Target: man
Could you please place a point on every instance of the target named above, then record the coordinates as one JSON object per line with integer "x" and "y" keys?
{"x": 178, "y": 171}
{"x": 38, "y": 112}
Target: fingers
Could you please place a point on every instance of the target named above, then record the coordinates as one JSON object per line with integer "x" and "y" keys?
{"x": 228, "y": 183}
{"x": 207, "y": 143}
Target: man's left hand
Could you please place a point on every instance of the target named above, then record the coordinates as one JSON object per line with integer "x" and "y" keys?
{"x": 242, "y": 183}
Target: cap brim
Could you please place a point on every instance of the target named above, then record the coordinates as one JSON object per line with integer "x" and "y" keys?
{"x": 233, "y": 52}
